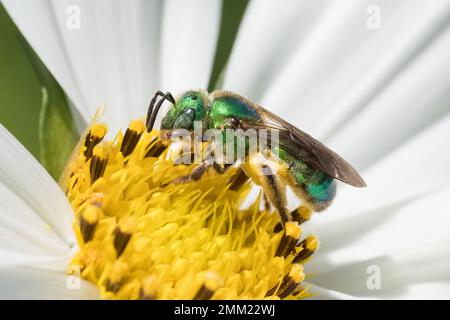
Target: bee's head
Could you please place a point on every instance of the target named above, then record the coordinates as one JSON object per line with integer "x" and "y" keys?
{"x": 190, "y": 107}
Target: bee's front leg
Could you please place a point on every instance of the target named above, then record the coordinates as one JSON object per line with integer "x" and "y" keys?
{"x": 195, "y": 174}
{"x": 199, "y": 170}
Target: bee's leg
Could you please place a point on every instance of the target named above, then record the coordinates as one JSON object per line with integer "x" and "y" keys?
{"x": 275, "y": 191}
{"x": 238, "y": 180}
{"x": 266, "y": 202}
{"x": 195, "y": 174}
{"x": 199, "y": 170}
{"x": 304, "y": 212}
{"x": 221, "y": 169}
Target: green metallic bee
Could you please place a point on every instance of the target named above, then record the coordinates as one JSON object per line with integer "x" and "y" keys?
{"x": 302, "y": 162}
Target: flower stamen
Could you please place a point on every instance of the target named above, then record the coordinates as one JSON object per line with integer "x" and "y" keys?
{"x": 131, "y": 137}
{"x": 123, "y": 233}
{"x": 289, "y": 239}
{"x": 116, "y": 277}
{"x": 306, "y": 249}
{"x": 156, "y": 148}
{"x": 290, "y": 282}
{"x": 88, "y": 222}
{"x": 94, "y": 137}
{"x": 149, "y": 289}
{"x": 302, "y": 214}
{"x": 98, "y": 164}
{"x": 211, "y": 284}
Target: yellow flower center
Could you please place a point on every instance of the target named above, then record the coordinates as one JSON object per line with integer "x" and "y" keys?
{"x": 141, "y": 236}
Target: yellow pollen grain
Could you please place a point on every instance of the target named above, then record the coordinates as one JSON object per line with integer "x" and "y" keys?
{"x": 293, "y": 229}
{"x": 92, "y": 214}
{"x": 312, "y": 243}
{"x": 305, "y": 212}
{"x": 137, "y": 126}
{"x": 98, "y": 130}
{"x": 128, "y": 225}
{"x": 99, "y": 152}
{"x": 150, "y": 286}
{"x": 296, "y": 273}
{"x": 118, "y": 271}
{"x": 213, "y": 281}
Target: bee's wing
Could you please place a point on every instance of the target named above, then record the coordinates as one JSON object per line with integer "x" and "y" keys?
{"x": 308, "y": 149}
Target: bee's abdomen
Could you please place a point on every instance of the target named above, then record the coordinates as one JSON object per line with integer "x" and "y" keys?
{"x": 318, "y": 188}
{"x": 321, "y": 195}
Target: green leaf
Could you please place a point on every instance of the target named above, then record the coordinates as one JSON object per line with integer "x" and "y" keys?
{"x": 57, "y": 133}
{"x": 20, "y": 88}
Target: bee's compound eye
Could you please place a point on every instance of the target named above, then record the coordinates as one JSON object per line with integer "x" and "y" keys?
{"x": 185, "y": 119}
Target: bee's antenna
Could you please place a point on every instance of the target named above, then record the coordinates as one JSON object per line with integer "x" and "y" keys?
{"x": 150, "y": 107}
{"x": 151, "y": 114}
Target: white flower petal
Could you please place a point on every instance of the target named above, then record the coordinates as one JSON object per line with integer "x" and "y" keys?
{"x": 394, "y": 47}
{"x": 341, "y": 51}
{"x": 408, "y": 243}
{"x": 397, "y": 281}
{"x": 188, "y": 43}
{"x": 111, "y": 59}
{"x": 338, "y": 64}
{"x": 43, "y": 261}
{"x": 23, "y": 230}
{"x": 352, "y": 278}
{"x": 42, "y": 33}
{"x": 415, "y": 98}
{"x": 319, "y": 293}
{"x": 267, "y": 38}
{"x": 428, "y": 291}
{"x": 24, "y": 283}
{"x": 114, "y": 55}
{"x": 28, "y": 180}
{"x": 417, "y": 167}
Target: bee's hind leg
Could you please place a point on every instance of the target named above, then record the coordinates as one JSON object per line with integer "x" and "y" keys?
{"x": 275, "y": 191}
{"x": 266, "y": 202}
{"x": 302, "y": 213}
